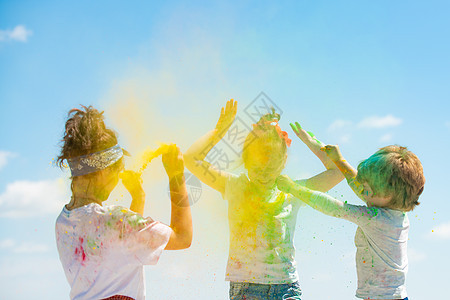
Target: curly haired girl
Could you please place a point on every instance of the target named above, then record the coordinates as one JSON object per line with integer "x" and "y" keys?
{"x": 103, "y": 248}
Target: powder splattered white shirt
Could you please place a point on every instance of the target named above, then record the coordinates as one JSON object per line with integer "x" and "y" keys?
{"x": 381, "y": 246}
{"x": 261, "y": 234}
{"x": 103, "y": 250}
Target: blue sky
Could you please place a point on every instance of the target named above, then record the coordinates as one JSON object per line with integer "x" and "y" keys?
{"x": 361, "y": 74}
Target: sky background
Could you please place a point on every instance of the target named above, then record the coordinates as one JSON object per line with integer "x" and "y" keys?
{"x": 361, "y": 74}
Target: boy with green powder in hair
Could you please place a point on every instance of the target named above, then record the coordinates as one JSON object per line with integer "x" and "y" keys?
{"x": 390, "y": 183}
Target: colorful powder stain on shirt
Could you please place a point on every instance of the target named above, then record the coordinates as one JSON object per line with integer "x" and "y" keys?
{"x": 98, "y": 243}
{"x": 261, "y": 234}
{"x": 79, "y": 251}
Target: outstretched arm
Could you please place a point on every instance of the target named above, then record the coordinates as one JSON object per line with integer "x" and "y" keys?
{"x": 324, "y": 203}
{"x": 327, "y": 179}
{"x": 194, "y": 157}
{"x": 361, "y": 215}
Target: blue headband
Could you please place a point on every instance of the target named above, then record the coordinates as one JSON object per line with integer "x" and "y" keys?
{"x": 94, "y": 162}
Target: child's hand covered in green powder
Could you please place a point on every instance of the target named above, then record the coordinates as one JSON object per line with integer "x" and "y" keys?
{"x": 227, "y": 115}
{"x": 306, "y": 136}
{"x": 285, "y": 183}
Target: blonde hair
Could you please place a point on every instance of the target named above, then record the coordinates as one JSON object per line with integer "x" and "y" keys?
{"x": 394, "y": 171}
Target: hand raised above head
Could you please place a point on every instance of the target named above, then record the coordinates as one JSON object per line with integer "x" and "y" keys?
{"x": 306, "y": 136}
{"x": 173, "y": 160}
{"x": 132, "y": 182}
{"x": 227, "y": 116}
{"x": 333, "y": 152}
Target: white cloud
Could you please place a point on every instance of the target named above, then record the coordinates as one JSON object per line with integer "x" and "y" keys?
{"x": 5, "y": 244}
{"x": 386, "y": 138}
{"x": 345, "y": 138}
{"x": 340, "y": 128}
{"x": 31, "y": 248}
{"x": 441, "y": 232}
{"x": 4, "y": 156}
{"x": 15, "y": 268}
{"x": 339, "y": 124}
{"x": 32, "y": 198}
{"x": 19, "y": 33}
{"x": 380, "y": 122}
{"x": 24, "y": 247}
{"x": 415, "y": 255}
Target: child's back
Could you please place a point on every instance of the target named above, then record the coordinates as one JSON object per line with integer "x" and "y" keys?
{"x": 381, "y": 251}
{"x": 108, "y": 246}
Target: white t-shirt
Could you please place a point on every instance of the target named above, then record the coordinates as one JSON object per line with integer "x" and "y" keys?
{"x": 381, "y": 246}
{"x": 261, "y": 234}
{"x": 103, "y": 250}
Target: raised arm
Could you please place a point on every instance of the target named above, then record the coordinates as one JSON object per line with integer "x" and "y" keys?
{"x": 194, "y": 157}
{"x": 181, "y": 219}
{"x": 345, "y": 168}
{"x": 327, "y": 179}
{"x": 133, "y": 183}
{"x": 334, "y": 155}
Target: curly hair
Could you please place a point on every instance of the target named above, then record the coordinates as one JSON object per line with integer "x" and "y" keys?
{"x": 394, "y": 171}
{"x": 85, "y": 133}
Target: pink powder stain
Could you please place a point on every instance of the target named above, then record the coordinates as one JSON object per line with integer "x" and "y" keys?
{"x": 80, "y": 250}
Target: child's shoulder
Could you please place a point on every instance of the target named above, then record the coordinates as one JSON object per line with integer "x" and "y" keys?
{"x": 395, "y": 216}
{"x": 386, "y": 217}
{"x": 116, "y": 211}
{"x": 237, "y": 180}
{"x": 239, "y": 177}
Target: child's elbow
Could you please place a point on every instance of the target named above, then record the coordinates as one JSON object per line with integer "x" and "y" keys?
{"x": 187, "y": 241}
{"x": 179, "y": 242}
{"x": 184, "y": 243}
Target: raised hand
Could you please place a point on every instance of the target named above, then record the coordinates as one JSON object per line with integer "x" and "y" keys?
{"x": 173, "y": 161}
{"x": 227, "y": 116}
{"x": 332, "y": 152}
{"x": 313, "y": 144}
{"x": 132, "y": 182}
{"x": 306, "y": 136}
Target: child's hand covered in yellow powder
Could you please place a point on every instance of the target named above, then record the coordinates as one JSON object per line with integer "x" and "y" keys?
{"x": 132, "y": 182}
{"x": 332, "y": 152}
{"x": 173, "y": 161}
{"x": 227, "y": 116}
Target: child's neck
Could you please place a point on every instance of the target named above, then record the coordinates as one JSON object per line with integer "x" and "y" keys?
{"x": 85, "y": 192}
{"x": 77, "y": 202}
{"x": 262, "y": 190}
